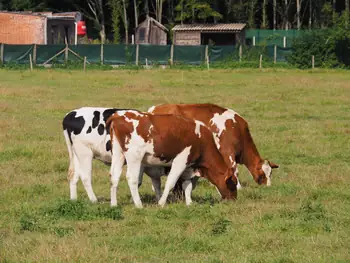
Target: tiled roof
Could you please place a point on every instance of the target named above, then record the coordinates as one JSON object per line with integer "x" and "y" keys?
{"x": 210, "y": 27}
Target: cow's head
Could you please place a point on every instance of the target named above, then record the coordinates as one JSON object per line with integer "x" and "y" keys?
{"x": 264, "y": 172}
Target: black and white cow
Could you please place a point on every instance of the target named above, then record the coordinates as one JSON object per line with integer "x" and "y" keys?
{"x": 87, "y": 138}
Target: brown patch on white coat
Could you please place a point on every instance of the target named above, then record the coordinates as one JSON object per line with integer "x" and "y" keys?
{"x": 166, "y": 140}
{"x": 231, "y": 133}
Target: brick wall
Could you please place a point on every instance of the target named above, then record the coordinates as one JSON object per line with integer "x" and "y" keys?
{"x": 22, "y": 29}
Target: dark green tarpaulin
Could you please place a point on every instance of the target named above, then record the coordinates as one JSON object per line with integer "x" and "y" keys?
{"x": 221, "y": 53}
{"x": 154, "y": 54}
{"x": 283, "y": 53}
{"x": 189, "y": 54}
{"x": 45, "y": 52}
{"x": 119, "y": 54}
{"x": 18, "y": 54}
{"x": 271, "y": 37}
{"x": 91, "y": 52}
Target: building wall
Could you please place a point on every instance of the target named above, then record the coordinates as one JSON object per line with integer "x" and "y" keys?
{"x": 192, "y": 38}
{"x": 141, "y": 36}
{"x": 158, "y": 36}
{"x": 22, "y": 29}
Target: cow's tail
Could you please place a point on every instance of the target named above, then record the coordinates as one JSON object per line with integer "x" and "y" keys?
{"x": 70, "y": 152}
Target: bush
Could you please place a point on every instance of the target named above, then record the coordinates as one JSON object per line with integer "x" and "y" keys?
{"x": 318, "y": 43}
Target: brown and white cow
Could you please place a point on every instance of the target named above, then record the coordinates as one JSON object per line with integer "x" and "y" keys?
{"x": 231, "y": 133}
{"x": 165, "y": 140}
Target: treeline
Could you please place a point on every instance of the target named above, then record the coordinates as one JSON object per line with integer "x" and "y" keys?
{"x": 116, "y": 19}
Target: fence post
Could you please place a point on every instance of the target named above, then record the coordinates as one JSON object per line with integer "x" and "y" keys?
{"x": 284, "y": 41}
{"x": 260, "y": 61}
{"x": 253, "y": 40}
{"x": 240, "y": 52}
{"x": 274, "y": 54}
{"x": 30, "y": 62}
{"x": 2, "y": 53}
{"x": 34, "y": 54}
{"x": 137, "y": 55}
{"x": 84, "y": 63}
{"x": 66, "y": 54}
{"x": 313, "y": 62}
{"x": 172, "y": 55}
{"x": 101, "y": 57}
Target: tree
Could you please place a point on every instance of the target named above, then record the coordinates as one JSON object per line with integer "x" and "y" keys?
{"x": 125, "y": 21}
{"x": 159, "y": 10}
{"x": 195, "y": 10}
{"x": 136, "y": 14}
{"x": 115, "y": 6}
{"x": 94, "y": 11}
{"x": 251, "y": 13}
{"x": 264, "y": 22}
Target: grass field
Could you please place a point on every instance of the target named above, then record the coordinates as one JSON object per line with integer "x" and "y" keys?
{"x": 298, "y": 119}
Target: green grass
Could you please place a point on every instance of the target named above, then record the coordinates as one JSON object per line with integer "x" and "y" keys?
{"x": 298, "y": 119}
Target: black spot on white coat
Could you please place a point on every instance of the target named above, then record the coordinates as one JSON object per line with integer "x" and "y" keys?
{"x": 108, "y": 146}
{"x": 96, "y": 119}
{"x": 73, "y": 124}
{"x": 89, "y": 130}
{"x": 101, "y": 129}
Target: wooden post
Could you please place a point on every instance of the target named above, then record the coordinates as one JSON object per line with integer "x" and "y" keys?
{"x": 101, "y": 54}
{"x": 146, "y": 63}
{"x": 313, "y": 62}
{"x": 253, "y": 40}
{"x": 172, "y": 55}
{"x": 275, "y": 54}
{"x": 260, "y": 61}
{"x": 34, "y": 54}
{"x": 132, "y": 39}
{"x": 137, "y": 55}
{"x": 208, "y": 62}
{"x": 66, "y": 54}
{"x": 284, "y": 41}
{"x": 30, "y": 62}
{"x": 240, "y": 52}
{"x": 84, "y": 64}
{"x": 2, "y": 53}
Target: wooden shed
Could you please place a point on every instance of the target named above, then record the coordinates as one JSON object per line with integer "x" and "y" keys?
{"x": 204, "y": 34}
{"x": 150, "y": 31}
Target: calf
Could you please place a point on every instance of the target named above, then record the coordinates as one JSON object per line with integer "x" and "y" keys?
{"x": 231, "y": 133}
{"x": 165, "y": 140}
{"x": 87, "y": 138}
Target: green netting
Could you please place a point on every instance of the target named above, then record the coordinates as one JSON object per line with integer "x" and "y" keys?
{"x": 91, "y": 52}
{"x": 154, "y": 54}
{"x": 272, "y": 37}
{"x": 119, "y": 54}
{"x": 17, "y": 53}
{"x": 283, "y": 53}
{"x": 222, "y": 53}
{"x": 45, "y": 52}
{"x": 189, "y": 54}
{"x": 253, "y": 53}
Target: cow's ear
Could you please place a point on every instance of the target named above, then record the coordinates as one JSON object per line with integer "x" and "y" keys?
{"x": 273, "y": 165}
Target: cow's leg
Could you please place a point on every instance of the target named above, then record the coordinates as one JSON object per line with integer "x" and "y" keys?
{"x": 239, "y": 186}
{"x": 82, "y": 157}
{"x": 132, "y": 174}
{"x": 85, "y": 167}
{"x": 118, "y": 160}
{"x": 73, "y": 179}
{"x": 142, "y": 168}
{"x": 177, "y": 168}
{"x": 187, "y": 187}
{"x": 155, "y": 174}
